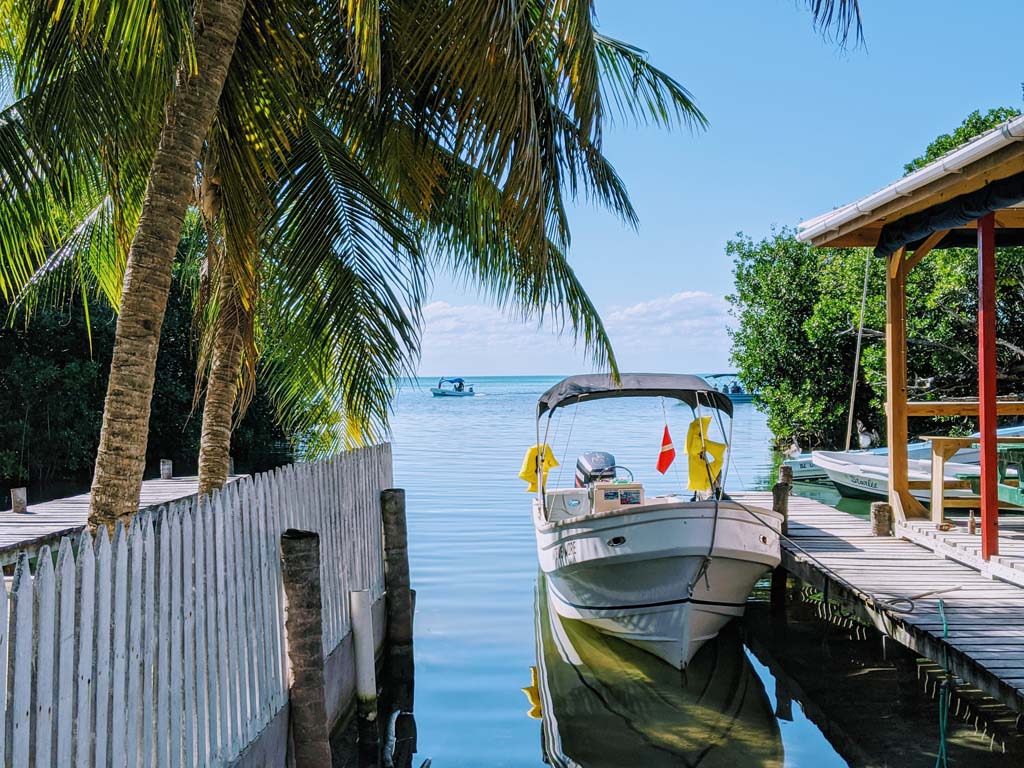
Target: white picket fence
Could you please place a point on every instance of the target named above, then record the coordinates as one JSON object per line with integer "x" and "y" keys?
{"x": 165, "y": 646}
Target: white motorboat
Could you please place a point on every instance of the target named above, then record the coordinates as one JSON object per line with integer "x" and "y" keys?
{"x": 456, "y": 387}
{"x": 606, "y": 704}
{"x": 664, "y": 573}
{"x": 866, "y": 475}
{"x": 804, "y": 467}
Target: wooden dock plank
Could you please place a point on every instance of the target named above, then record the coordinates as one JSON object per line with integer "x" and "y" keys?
{"x": 835, "y": 551}
{"x": 48, "y": 522}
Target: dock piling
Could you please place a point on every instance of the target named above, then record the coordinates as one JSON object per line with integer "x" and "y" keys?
{"x": 300, "y": 570}
{"x": 19, "y": 500}
{"x": 881, "y": 518}
{"x": 400, "y": 597}
{"x": 366, "y": 678}
{"x": 780, "y": 504}
{"x": 166, "y": 469}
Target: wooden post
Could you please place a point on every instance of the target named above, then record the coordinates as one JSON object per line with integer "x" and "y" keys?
{"x": 300, "y": 571}
{"x": 987, "y": 384}
{"x": 780, "y": 504}
{"x": 166, "y": 469}
{"x": 231, "y": 466}
{"x": 366, "y": 678}
{"x": 400, "y": 599}
{"x": 881, "y": 519}
{"x": 19, "y": 500}
{"x": 896, "y": 383}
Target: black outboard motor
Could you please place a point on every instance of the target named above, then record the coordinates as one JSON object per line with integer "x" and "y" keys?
{"x": 594, "y": 466}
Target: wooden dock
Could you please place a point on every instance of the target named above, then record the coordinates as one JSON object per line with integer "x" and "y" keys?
{"x": 874, "y": 576}
{"x": 46, "y": 523}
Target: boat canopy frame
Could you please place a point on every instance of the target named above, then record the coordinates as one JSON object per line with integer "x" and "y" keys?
{"x": 692, "y": 390}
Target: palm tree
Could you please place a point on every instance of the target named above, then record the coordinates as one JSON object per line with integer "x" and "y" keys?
{"x": 60, "y": 44}
{"x": 512, "y": 128}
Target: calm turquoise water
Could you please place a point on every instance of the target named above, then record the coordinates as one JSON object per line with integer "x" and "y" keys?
{"x": 474, "y": 567}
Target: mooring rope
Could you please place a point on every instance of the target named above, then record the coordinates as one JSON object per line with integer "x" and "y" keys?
{"x": 891, "y": 604}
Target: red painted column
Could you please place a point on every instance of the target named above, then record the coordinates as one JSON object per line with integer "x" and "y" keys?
{"x": 987, "y": 384}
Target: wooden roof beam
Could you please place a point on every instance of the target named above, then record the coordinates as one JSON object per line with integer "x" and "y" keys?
{"x": 925, "y": 248}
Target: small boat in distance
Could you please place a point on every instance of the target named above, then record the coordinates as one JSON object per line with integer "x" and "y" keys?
{"x": 457, "y": 387}
{"x": 729, "y": 384}
{"x": 664, "y": 573}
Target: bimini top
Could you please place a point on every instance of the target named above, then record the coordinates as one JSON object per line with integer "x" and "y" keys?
{"x": 458, "y": 380}
{"x": 597, "y": 386}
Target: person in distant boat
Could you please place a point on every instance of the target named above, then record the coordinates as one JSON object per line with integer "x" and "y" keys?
{"x": 735, "y": 388}
{"x": 458, "y": 386}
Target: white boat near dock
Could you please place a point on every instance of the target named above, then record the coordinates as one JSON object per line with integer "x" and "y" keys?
{"x": 866, "y": 475}
{"x": 804, "y": 467}
{"x": 663, "y": 573}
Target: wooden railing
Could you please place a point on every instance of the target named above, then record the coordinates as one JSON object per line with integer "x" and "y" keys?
{"x": 164, "y": 646}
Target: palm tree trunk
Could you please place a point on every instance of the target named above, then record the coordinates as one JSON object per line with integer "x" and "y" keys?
{"x": 221, "y": 387}
{"x": 121, "y": 457}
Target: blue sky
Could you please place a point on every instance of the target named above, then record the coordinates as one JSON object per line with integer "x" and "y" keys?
{"x": 797, "y": 127}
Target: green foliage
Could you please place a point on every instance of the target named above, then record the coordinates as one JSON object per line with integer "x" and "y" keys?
{"x": 797, "y": 309}
{"x": 52, "y": 390}
{"x": 974, "y": 124}
{"x": 782, "y": 348}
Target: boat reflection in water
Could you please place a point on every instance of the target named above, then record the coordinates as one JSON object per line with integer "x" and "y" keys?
{"x": 607, "y": 704}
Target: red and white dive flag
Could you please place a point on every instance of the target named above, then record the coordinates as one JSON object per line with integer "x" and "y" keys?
{"x": 668, "y": 452}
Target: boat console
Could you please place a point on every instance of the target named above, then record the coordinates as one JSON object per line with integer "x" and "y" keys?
{"x": 597, "y": 489}
{"x": 616, "y": 495}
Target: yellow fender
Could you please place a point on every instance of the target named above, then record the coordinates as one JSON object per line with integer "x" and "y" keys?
{"x": 533, "y": 696}
{"x": 703, "y": 454}
{"x": 528, "y": 474}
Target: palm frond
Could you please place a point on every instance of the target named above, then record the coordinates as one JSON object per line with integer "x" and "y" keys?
{"x": 342, "y": 294}
{"x": 364, "y": 30}
{"x": 837, "y": 19}
{"x": 640, "y": 90}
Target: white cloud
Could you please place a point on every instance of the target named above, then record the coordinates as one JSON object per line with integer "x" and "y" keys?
{"x": 685, "y": 331}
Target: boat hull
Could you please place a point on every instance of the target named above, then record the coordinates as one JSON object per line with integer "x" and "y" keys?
{"x": 449, "y": 393}
{"x": 606, "y": 704}
{"x": 866, "y": 476}
{"x": 644, "y": 576}
{"x": 804, "y": 467}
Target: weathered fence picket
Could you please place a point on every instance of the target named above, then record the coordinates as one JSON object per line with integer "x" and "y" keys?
{"x": 119, "y": 650}
{"x": 86, "y": 609}
{"x": 66, "y": 634}
{"x": 19, "y": 676}
{"x": 45, "y": 646}
{"x": 164, "y": 645}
